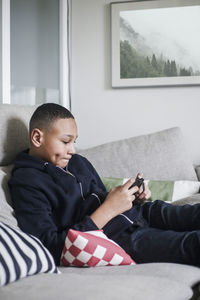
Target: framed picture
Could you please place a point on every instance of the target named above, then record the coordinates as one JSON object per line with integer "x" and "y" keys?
{"x": 155, "y": 43}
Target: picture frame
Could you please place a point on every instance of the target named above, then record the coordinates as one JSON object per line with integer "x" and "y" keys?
{"x": 155, "y": 43}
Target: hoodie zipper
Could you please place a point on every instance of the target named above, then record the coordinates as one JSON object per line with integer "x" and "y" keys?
{"x": 80, "y": 184}
{"x": 127, "y": 218}
{"x": 81, "y": 190}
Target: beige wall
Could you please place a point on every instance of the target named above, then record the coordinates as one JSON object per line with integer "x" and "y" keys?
{"x": 104, "y": 114}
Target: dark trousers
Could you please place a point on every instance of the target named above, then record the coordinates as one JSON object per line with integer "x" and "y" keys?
{"x": 164, "y": 233}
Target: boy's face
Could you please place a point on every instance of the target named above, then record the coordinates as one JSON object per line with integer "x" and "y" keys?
{"x": 57, "y": 143}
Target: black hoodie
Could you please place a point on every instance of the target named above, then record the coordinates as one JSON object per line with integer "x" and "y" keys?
{"x": 49, "y": 200}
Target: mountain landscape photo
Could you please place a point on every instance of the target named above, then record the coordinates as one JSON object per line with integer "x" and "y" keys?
{"x": 153, "y": 54}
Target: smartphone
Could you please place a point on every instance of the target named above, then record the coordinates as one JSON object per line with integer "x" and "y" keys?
{"x": 138, "y": 182}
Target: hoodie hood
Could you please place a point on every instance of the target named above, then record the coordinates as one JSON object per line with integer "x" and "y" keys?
{"x": 25, "y": 160}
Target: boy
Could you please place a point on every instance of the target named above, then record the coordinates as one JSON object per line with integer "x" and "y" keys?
{"x": 53, "y": 189}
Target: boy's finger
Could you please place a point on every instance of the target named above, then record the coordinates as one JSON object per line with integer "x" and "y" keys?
{"x": 142, "y": 196}
{"x": 129, "y": 182}
{"x": 140, "y": 175}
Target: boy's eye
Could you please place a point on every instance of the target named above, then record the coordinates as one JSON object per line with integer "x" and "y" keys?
{"x": 64, "y": 142}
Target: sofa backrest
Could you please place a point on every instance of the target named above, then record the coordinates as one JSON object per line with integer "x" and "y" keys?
{"x": 14, "y": 121}
{"x": 160, "y": 156}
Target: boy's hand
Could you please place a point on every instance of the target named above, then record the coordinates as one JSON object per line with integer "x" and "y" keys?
{"x": 145, "y": 194}
{"x": 120, "y": 198}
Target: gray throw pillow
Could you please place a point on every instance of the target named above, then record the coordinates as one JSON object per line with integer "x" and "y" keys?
{"x": 160, "y": 156}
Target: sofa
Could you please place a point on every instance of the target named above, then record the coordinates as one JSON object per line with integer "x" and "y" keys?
{"x": 164, "y": 160}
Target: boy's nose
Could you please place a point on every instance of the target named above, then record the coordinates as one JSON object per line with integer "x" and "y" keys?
{"x": 72, "y": 149}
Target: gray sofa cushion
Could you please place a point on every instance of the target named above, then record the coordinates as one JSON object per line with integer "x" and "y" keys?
{"x": 144, "y": 281}
{"x": 14, "y": 138}
{"x": 161, "y": 155}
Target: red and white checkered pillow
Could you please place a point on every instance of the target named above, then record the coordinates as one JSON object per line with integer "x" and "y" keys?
{"x": 92, "y": 249}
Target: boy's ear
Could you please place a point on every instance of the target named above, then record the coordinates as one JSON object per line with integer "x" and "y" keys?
{"x": 36, "y": 137}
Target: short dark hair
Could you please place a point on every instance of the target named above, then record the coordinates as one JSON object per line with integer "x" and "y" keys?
{"x": 47, "y": 113}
